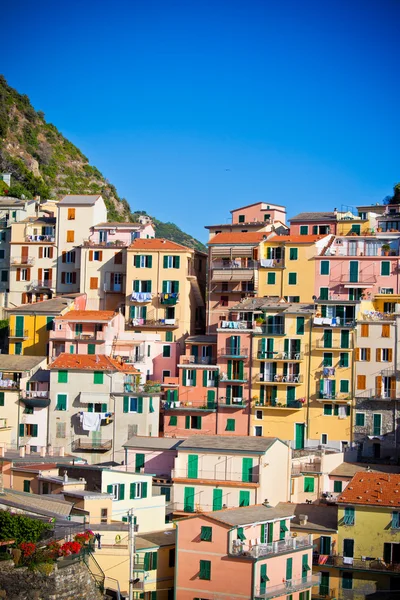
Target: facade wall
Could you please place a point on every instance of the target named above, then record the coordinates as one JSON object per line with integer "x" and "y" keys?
{"x": 259, "y": 212}
{"x": 157, "y": 462}
{"x": 102, "y": 276}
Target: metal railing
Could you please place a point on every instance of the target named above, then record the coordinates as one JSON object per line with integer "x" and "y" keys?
{"x": 215, "y": 475}
{"x": 278, "y": 329}
{"x": 288, "y": 587}
{"x": 235, "y": 264}
{"x": 236, "y": 325}
{"x": 373, "y": 394}
{"x": 8, "y": 384}
{"x": 279, "y": 355}
{"x": 18, "y": 333}
{"x": 334, "y": 322}
{"x": 170, "y": 299}
{"x": 22, "y": 260}
{"x": 276, "y": 404}
{"x": 278, "y": 547}
{"x": 190, "y": 405}
{"x": 366, "y": 278}
{"x": 274, "y": 378}
{"x": 233, "y": 402}
{"x": 95, "y": 570}
{"x": 197, "y": 360}
{"x": 233, "y": 351}
{"x": 40, "y": 283}
{"x": 87, "y": 444}
{"x": 333, "y": 343}
{"x": 307, "y": 467}
{"x": 360, "y": 563}
{"x": 152, "y": 323}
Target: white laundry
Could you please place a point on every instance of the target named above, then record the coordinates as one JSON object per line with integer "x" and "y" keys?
{"x": 91, "y": 421}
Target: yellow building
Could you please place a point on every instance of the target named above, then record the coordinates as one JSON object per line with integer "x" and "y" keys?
{"x": 165, "y": 285}
{"x": 287, "y": 268}
{"x": 30, "y": 324}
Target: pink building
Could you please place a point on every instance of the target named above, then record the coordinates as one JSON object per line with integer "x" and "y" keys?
{"x": 313, "y": 223}
{"x": 120, "y": 234}
{"x": 353, "y": 265}
{"x": 243, "y": 553}
{"x": 85, "y": 332}
{"x": 259, "y": 216}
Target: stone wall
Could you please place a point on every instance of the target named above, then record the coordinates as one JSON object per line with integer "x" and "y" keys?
{"x": 69, "y": 583}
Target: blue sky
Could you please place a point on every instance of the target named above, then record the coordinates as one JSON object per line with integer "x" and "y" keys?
{"x": 192, "y": 108}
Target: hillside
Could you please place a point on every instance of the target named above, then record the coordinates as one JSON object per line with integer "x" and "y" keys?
{"x": 44, "y": 163}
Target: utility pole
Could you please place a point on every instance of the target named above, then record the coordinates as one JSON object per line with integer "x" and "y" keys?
{"x": 131, "y": 551}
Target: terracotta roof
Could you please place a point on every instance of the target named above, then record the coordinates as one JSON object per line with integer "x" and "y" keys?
{"x": 90, "y": 362}
{"x": 297, "y": 239}
{"x": 158, "y": 244}
{"x": 87, "y": 315}
{"x": 375, "y": 489}
{"x": 314, "y": 216}
{"x": 240, "y": 237}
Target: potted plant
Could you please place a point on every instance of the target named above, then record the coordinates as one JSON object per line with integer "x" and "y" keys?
{"x": 260, "y": 321}
{"x": 385, "y": 249}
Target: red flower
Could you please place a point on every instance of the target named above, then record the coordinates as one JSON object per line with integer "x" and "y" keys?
{"x": 70, "y": 548}
{"x": 27, "y": 549}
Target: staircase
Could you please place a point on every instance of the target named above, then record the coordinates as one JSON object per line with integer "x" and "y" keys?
{"x": 95, "y": 570}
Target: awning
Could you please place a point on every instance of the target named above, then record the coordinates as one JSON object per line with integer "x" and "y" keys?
{"x": 93, "y": 398}
{"x": 36, "y": 402}
{"x": 233, "y": 275}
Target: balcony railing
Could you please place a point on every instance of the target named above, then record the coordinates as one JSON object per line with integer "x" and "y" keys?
{"x": 41, "y": 283}
{"x": 8, "y": 384}
{"x": 288, "y": 587}
{"x": 333, "y": 343}
{"x": 333, "y": 322}
{"x": 290, "y": 404}
{"x": 216, "y": 475}
{"x": 373, "y": 394}
{"x": 235, "y": 264}
{"x": 40, "y": 238}
{"x": 86, "y": 444}
{"x": 338, "y": 396}
{"x": 4, "y": 423}
{"x": 153, "y": 324}
{"x": 22, "y": 260}
{"x": 279, "y": 355}
{"x": 233, "y": 378}
{"x": 236, "y": 325}
{"x": 364, "y": 278}
{"x": 279, "y": 547}
{"x": 274, "y": 378}
{"x": 197, "y": 360}
{"x": 278, "y": 329}
{"x": 19, "y": 333}
{"x": 116, "y": 244}
{"x": 169, "y": 299}
{"x": 234, "y": 402}
{"x": 307, "y": 467}
{"x": 359, "y": 563}
{"x": 233, "y": 352}
{"x": 190, "y": 406}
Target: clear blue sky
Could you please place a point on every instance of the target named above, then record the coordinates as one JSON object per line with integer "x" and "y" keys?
{"x": 194, "y": 107}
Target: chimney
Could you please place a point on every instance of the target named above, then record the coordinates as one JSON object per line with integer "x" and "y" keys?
{"x": 43, "y": 451}
{"x": 62, "y": 451}
{"x": 22, "y": 451}
{"x": 2, "y": 451}
{"x": 303, "y": 519}
{"x": 27, "y": 449}
{"x": 50, "y": 450}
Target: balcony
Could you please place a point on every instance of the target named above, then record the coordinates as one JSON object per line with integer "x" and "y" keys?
{"x": 234, "y": 402}
{"x": 288, "y": 587}
{"x": 41, "y": 238}
{"x": 233, "y": 352}
{"x": 236, "y": 325}
{"x": 8, "y": 384}
{"x": 290, "y": 405}
{"x": 279, "y": 356}
{"x": 307, "y": 467}
{"x": 4, "y": 223}
{"x": 24, "y": 261}
{"x": 333, "y": 322}
{"x": 234, "y": 265}
{"x": 4, "y": 424}
{"x": 279, "y": 379}
{"x": 272, "y": 263}
{"x": 337, "y": 396}
{"x": 88, "y": 445}
{"x": 153, "y": 324}
{"x": 217, "y": 475}
{"x": 190, "y": 406}
{"x": 35, "y": 399}
{"x": 363, "y": 280}
{"x": 279, "y": 547}
{"x": 66, "y": 333}
{"x": 116, "y": 244}
{"x": 234, "y": 271}
{"x": 170, "y": 299}
{"x": 357, "y": 564}
{"x": 36, "y": 284}
{"x": 19, "y": 333}
{"x": 373, "y": 394}
{"x": 225, "y": 378}
{"x": 278, "y": 329}
{"x": 197, "y": 360}
{"x": 332, "y": 344}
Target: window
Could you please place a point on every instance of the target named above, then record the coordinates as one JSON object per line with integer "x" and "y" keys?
{"x": 166, "y": 351}
{"x": 68, "y": 257}
{"x": 360, "y": 419}
{"x": 337, "y": 486}
{"x": 117, "y": 490}
{"x": 97, "y": 255}
{"x": 170, "y": 287}
{"x": 29, "y": 430}
{"x": 292, "y": 278}
{"x": 293, "y": 254}
{"x": 386, "y": 331}
{"x": 173, "y": 421}
{"x": 230, "y": 425}
{"x": 4, "y": 276}
{"x": 324, "y": 293}
{"x": 244, "y": 498}
{"x": 61, "y": 402}
{"x": 103, "y": 515}
{"x": 361, "y": 382}
{"x": 70, "y": 236}
{"x": 61, "y": 430}
{"x": 349, "y": 516}
{"x": 141, "y": 261}
{"x": 271, "y": 278}
{"x": 241, "y": 218}
{"x": 364, "y": 330}
{"x": 166, "y": 491}
{"x": 299, "y": 325}
{"x": 94, "y": 283}
{"x": 259, "y": 415}
{"x": 192, "y": 422}
{"x": 324, "y": 267}
{"x": 98, "y": 377}
{"x": 143, "y": 285}
{"x": 303, "y": 229}
{"x": 168, "y": 337}
{"x": 395, "y": 520}
{"x": 385, "y": 268}
{"x": 386, "y": 355}
{"x": 1, "y": 398}
{"x": 240, "y": 534}
{"x": 328, "y": 410}
{"x": 309, "y": 484}
{"x": 328, "y": 359}
{"x": 137, "y": 490}
{"x": 344, "y": 360}
{"x": 324, "y": 438}
{"x": 206, "y": 534}
{"x": 69, "y": 278}
{"x": 258, "y": 430}
{"x": 62, "y": 376}
{"x": 189, "y": 377}
{"x": 91, "y": 349}
{"x": 347, "y": 580}
{"x": 71, "y": 214}
{"x": 2, "y": 254}
{"x": 133, "y": 405}
{"x": 18, "y": 347}
{"x": 171, "y": 262}
{"x": 205, "y": 570}
{"x": 344, "y": 386}
{"x": 171, "y": 557}
{"x": 364, "y": 354}
{"x": 24, "y": 274}
{"x": 27, "y": 485}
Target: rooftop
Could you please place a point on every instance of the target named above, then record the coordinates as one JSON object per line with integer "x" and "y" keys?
{"x": 35, "y": 503}
{"x": 350, "y": 469}
{"x": 372, "y": 489}
{"x": 86, "y": 494}
{"x": 271, "y": 304}
{"x": 158, "y": 244}
{"x": 87, "y": 315}
{"x": 44, "y": 220}
{"x": 9, "y": 201}
{"x": 79, "y": 200}
{"x": 296, "y": 239}
{"x": 268, "y": 206}
{"x": 36, "y": 467}
{"x": 14, "y": 363}
{"x": 314, "y": 216}
{"x": 250, "y": 514}
{"x": 319, "y": 517}
{"x": 119, "y": 224}
{"x": 46, "y": 307}
{"x": 201, "y": 339}
{"x": 152, "y": 443}
{"x": 34, "y": 458}
{"x": 229, "y": 443}
{"x": 158, "y": 538}
{"x": 90, "y": 362}
{"x": 240, "y": 237}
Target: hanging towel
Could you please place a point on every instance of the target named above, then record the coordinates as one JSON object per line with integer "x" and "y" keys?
{"x": 318, "y": 320}
{"x": 342, "y": 412}
{"x": 326, "y": 371}
{"x": 91, "y": 421}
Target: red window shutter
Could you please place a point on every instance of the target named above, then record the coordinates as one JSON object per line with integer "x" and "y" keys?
{"x": 18, "y": 274}
{"x": 40, "y": 251}
{"x": 90, "y": 255}
{"x": 101, "y": 255}
{"x": 50, "y": 274}
{"x": 51, "y": 252}
{"x": 28, "y": 274}
{"x": 64, "y": 258}
{"x": 40, "y": 274}
{"x": 63, "y": 277}
{"x": 24, "y": 298}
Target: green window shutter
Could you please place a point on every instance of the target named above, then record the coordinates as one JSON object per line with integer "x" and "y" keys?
{"x": 324, "y": 267}
{"x": 21, "y": 429}
{"x": 345, "y": 339}
{"x": 247, "y": 469}
{"x": 90, "y": 407}
{"x": 325, "y": 544}
{"x": 91, "y": 349}
{"x": 144, "y": 489}
{"x": 184, "y": 376}
{"x": 34, "y": 430}
{"x": 336, "y": 410}
{"x": 344, "y": 359}
{"x": 139, "y": 462}
{"x": 193, "y": 466}
{"x": 126, "y": 404}
{"x": 206, "y": 534}
{"x": 349, "y": 515}
{"x": 78, "y": 328}
{"x": 303, "y": 229}
{"x": 188, "y": 501}
{"x": 228, "y": 394}
{"x": 263, "y": 578}
{"x": 19, "y": 326}
{"x": 300, "y": 325}
{"x": 229, "y": 369}
{"x": 165, "y": 262}
{"x": 104, "y": 407}
{"x": 132, "y": 491}
{"x": 217, "y": 499}
{"x": 263, "y": 530}
{"x": 149, "y": 261}
{"x": 155, "y": 561}
{"x": 140, "y": 405}
{"x": 347, "y": 581}
{"x": 109, "y": 489}
{"x": 98, "y": 377}
{"x": 187, "y": 422}
{"x": 327, "y": 338}
{"x": 385, "y": 267}
{"x": 333, "y": 388}
{"x": 147, "y": 558}
{"x": 241, "y": 370}
{"x": 176, "y": 286}
{"x": 173, "y": 421}
{"x": 205, "y": 570}
{"x": 169, "y": 337}
{"x": 136, "y": 261}
{"x": 328, "y": 359}
{"x": 289, "y": 568}
{"x": 151, "y": 407}
{"x": 1, "y": 398}
{"x": 293, "y": 253}
{"x": 271, "y": 278}
{"x": 304, "y": 565}
{"x": 327, "y": 407}
{"x": 344, "y": 386}
{"x": 136, "y": 285}
{"x": 324, "y": 295}
{"x": 244, "y": 498}
{"x": 270, "y": 533}
{"x": 149, "y": 283}
{"x": 205, "y": 378}
{"x": 337, "y": 486}
{"x": 377, "y": 424}
{"x": 230, "y": 425}
{"x": 177, "y": 262}
{"x": 292, "y": 278}
{"x": 164, "y": 287}
{"x": 27, "y": 486}
{"x": 49, "y": 323}
{"x": 194, "y": 377}
{"x": 268, "y": 253}
{"x": 309, "y": 484}
{"x": 121, "y": 495}
{"x": 282, "y": 529}
{"x": 210, "y": 399}
{"x": 360, "y": 419}
{"x": 62, "y": 376}
{"x": 61, "y": 402}
{"x": 291, "y": 393}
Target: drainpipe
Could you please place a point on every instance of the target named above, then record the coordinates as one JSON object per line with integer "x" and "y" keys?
{"x": 395, "y": 374}
{"x": 352, "y": 400}
{"x": 250, "y": 382}
{"x": 309, "y": 371}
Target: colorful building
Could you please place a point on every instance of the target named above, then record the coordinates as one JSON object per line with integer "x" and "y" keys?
{"x": 259, "y": 216}
{"x": 243, "y": 553}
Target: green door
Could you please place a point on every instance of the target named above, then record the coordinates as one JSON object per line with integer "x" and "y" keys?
{"x": 348, "y": 548}
{"x": 299, "y": 436}
{"x": 188, "y": 499}
{"x": 270, "y": 348}
{"x": 353, "y": 271}
{"x": 324, "y": 584}
{"x": 139, "y": 462}
{"x": 377, "y": 424}
{"x": 247, "y": 470}
{"x": 327, "y": 338}
{"x": 325, "y": 544}
{"x": 19, "y": 326}
{"x": 289, "y": 569}
{"x": 345, "y": 339}
{"x": 217, "y": 499}
{"x": 193, "y": 466}
{"x": 195, "y": 353}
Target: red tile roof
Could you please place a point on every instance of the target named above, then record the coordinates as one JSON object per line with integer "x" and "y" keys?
{"x": 238, "y": 238}
{"x": 375, "y": 489}
{"x": 87, "y": 315}
{"x": 297, "y": 239}
{"x": 158, "y": 244}
{"x": 90, "y": 362}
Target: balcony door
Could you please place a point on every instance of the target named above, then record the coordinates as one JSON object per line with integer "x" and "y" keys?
{"x": 348, "y": 548}
{"x": 391, "y": 553}
{"x": 354, "y": 271}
